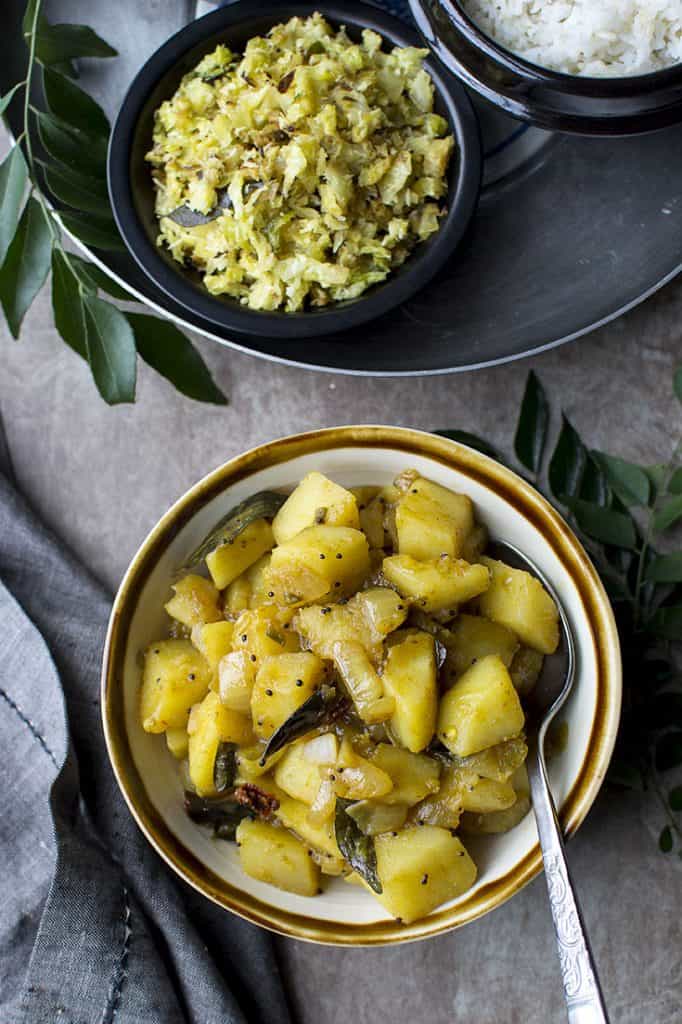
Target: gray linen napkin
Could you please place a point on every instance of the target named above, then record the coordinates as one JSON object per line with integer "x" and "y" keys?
{"x": 93, "y": 926}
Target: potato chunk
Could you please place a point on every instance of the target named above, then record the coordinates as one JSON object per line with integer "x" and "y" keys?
{"x": 414, "y": 775}
{"x": 210, "y": 724}
{"x": 177, "y": 742}
{"x": 376, "y": 612}
{"x": 282, "y": 684}
{"x": 319, "y": 837}
{"x": 236, "y": 676}
{"x": 214, "y": 640}
{"x": 432, "y": 521}
{"x": 298, "y": 772}
{"x": 520, "y": 602}
{"x": 230, "y": 560}
{"x": 420, "y": 869}
{"x": 481, "y": 709}
{"x": 263, "y": 632}
{"x": 195, "y": 601}
{"x": 409, "y": 677}
{"x": 175, "y": 677}
{"x": 471, "y": 638}
{"x": 315, "y": 500}
{"x": 319, "y": 562}
{"x": 436, "y": 585}
{"x": 356, "y": 778}
{"x": 271, "y": 854}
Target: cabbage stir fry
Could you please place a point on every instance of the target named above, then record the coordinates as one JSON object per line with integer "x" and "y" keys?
{"x": 303, "y": 171}
{"x": 343, "y": 687}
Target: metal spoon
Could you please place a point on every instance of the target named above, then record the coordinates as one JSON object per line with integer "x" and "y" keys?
{"x": 584, "y": 1000}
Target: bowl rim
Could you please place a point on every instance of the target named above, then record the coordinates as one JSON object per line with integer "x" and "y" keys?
{"x": 524, "y": 90}
{"x": 527, "y": 502}
{"x": 423, "y": 263}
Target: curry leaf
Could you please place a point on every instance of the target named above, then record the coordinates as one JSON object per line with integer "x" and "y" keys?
{"x": 604, "y": 524}
{"x": 93, "y": 278}
{"x": 319, "y": 708}
{"x": 13, "y": 181}
{"x": 665, "y": 840}
{"x": 26, "y": 265}
{"x": 668, "y": 514}
{"x": 225, "y": 767}
{"x": 627, "y": 480}
{"x": 675, "y": 483}
{"x": 667, "y": 623}
{"x": 57, "y": 43}
{"x": 71, "y": 105}
{"x": 263, "y": 505}
{"x": 67, "y": 305}
{"x": 594, "y": 485}
{"x": 224, "y": 815}
{"x": 29, "y": 16}
{"x": 172, "y": 355}
{"x": 76, "y": 149}
{"x": 111, "y": 350}
{"x": 99, "y": 232}
{"x": 675, "y": 798}
{"x": 356, "y": 848}
{"x": 62, "y": 186}
{"x": 665, "y": 568}
{"x": 567, "y": 463}
{"x": 531, "y": 431}
{"x": 95, "y": 186}
{"x": 472, "y": 441}
{"x": 8, "y": 97}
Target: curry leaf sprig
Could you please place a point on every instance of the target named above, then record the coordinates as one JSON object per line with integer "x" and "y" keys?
{"x": 625, "y": 515}
{"x": 55, "y": 177}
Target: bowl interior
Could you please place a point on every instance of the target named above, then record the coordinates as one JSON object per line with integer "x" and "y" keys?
{"x": 133, "y": 195}
{"x": 149, "y": 776}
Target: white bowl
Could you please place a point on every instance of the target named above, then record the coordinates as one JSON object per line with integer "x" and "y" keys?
{"x": 513, "y": 511}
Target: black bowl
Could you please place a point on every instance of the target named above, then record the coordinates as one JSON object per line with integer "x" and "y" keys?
{"x": 132, "y": 193}
{"x": 565, "y": 103}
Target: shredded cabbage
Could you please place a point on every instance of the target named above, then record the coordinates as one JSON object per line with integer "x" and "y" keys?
{"x": 317, "y": 163}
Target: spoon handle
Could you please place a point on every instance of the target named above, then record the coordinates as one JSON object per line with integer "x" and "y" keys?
{"x": 584, "y": 1000}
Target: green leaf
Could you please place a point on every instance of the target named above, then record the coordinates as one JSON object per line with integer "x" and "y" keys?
{"x": 7, "y": 98}
{"x": 67, "y": 305}
{"x": 26, "y": 266}
{"x": 604, "y": 525}
{"x": 73, "y": 106}
{"x": 76, "y": 149}
{"x": 675, "y": 798}
{"x": 665, "y": 568}
{"x": 594, "y": 486}
{"x": 357, "y": 849}
{"x": 621, "y": 773}
{"x": 99, "y": 232}
{"x": 57, "y": 43}
{"x": 472, "y": 441}
{"x": 531, "y": 431}
{"x": 677, "y": 383}
{"x": 171, "y": 354}
{"x": 667, "y": 623}
{"x": 668, "y": 514}
{"x": 675, "y": 485}
{"x": 111, "y": 350}
{"x": 60, "y": 181}
{"x": 29, "y": 16}
{"x": 669, "y": 751}
{"x": 225, "y": 767}
{"x": 627, "y": 480}
{"x": 665, "y": 840}
{"x": 13, "y": 181}
{"x": 568, "y": 461}
{"x": 93, "y": 278}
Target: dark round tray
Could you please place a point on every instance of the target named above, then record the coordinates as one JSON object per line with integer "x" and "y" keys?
{"x": 570, "y": 232}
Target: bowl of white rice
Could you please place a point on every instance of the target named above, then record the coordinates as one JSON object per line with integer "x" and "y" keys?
{"x": 595, "y": 67}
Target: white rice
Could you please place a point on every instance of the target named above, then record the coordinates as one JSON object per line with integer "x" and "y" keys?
{"x": 586, "y": 37}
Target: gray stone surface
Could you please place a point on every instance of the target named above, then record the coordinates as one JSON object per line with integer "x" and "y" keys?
{"x": 103, "y": 476}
